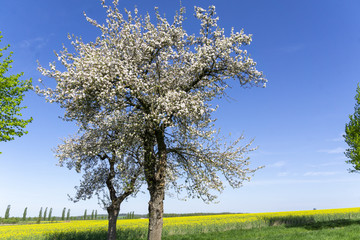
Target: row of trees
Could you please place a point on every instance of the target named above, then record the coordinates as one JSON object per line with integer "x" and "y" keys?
{"x": 94, "y": 215}
{"x": 47, "y": 216}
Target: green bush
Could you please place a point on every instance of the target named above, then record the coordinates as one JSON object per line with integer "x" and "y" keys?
{"x": 11, "y": 220}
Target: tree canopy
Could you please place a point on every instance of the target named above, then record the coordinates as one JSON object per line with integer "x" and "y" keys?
{"x": 153, "y": 83}
{"x": 352, "y": 135}
{"x": 12, "y": 92}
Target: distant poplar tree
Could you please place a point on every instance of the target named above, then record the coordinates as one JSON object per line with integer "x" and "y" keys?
{"x": 45, "y": 213}
{"x": 68, "y": 214}
{"x": 85, "y": 214}
{"x": 7, "y": 212}
{"x": 40, "y": 215}
{"x": 95, "y": 214}
{"x": 63, "y": 214}
{"x": 24, "y": 214}
{"x": 50, "y": 212}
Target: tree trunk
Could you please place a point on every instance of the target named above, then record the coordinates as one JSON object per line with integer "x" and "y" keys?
{"x": 113, "y": 212}
{"x": 155, "y": 167}
{"x": 156, "y": 210}
{"x": 114, "y": 209}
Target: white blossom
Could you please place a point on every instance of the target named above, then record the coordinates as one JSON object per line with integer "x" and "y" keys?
{"x": 139, "y": 75}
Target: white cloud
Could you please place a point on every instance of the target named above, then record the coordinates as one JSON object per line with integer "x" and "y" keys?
{"x": 277, "y": 164}
{"x": 299, "y": 181}
{"x": 333, "y": 151}
{"x": 328, "y": 164}
{"x": 262, "y": 153}
{"x": 283, "y": 174}
{"x": 340, "y": 138}
{"x": 320, "y": 173}
{"x": 36, "y": 43}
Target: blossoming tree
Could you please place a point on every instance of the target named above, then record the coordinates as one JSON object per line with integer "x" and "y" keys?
{"x": 109, "y": 158}
{"x": 153, "y": 83}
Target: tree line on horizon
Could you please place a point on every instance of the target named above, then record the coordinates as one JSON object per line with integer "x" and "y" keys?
{"x": 44, "y": 215}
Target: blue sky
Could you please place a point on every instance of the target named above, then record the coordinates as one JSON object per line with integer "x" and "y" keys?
{"x": 308, "y": 50}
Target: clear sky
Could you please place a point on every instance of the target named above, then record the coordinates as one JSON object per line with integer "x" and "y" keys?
{"x": 308, "y": 50}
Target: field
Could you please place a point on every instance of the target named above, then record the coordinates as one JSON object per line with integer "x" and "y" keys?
{"x": 313, "y": 224}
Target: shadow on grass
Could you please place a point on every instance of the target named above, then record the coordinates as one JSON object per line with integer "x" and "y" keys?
{"x": 331, "y": 224}
{"x": 97, "y": 235}
{"x": 290, "y": 221}
{"x": 309, "y": 223}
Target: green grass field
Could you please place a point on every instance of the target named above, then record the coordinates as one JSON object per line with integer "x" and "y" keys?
{"x": 331, "y": 230}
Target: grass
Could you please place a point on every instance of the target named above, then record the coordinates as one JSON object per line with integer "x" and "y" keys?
{"x": 350, "y": 232}
{"x": 331, "y": 230}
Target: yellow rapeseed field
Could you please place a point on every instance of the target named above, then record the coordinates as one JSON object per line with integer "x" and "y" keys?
{"x": 177, "y": 225}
